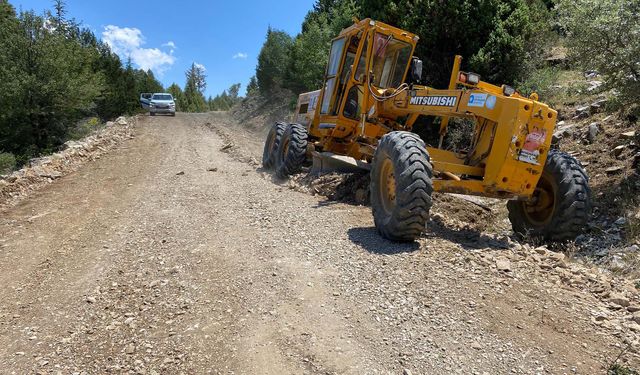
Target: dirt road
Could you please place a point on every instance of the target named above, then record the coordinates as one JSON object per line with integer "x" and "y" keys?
{"x": 169, "y": 256}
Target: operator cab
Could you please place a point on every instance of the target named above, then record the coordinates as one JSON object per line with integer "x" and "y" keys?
{"x": 365, "y": 60}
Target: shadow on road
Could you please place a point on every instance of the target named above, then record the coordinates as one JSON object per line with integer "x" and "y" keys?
{"x": 468, "y": 238}
{"x": 372, "y": 242}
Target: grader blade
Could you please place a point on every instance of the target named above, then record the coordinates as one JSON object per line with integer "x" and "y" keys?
{"x": 327, "y": 162}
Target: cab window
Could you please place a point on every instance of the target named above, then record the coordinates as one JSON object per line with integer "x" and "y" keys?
{"x": 390, "y": 61}
{"x": 332, "y": 71}
{"x": 347, "y": 71}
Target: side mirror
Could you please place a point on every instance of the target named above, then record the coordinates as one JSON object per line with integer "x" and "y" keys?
{"x": 416, "y": 70}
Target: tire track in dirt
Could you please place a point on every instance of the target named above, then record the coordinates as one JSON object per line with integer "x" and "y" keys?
{"x": 170, "y": 256}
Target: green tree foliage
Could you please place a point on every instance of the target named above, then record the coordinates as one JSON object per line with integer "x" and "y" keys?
{"x": 178, "y": 97}
{"x": 7, "y": 162}
{"x": 252, "y": 88}
{"x": 53, "y": 73}
{"x": 234, "y": 91}
{"x": 309, "y": 56}
{"x": 226, "y": 100}
{"x": 273, "y": 60}
{"x": 147, "y": 82}
{"x": 604, "y": 35}
{"x": 309, "y": 53}
{"x": 500, "y": 39}
{"x": 194, "y": 100}
{"x": 503, "y": 40}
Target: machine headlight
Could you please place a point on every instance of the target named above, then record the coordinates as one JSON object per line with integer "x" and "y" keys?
{"x": 473, "y": 78}
{"x": 508, "y": 90}
{"x": 469, "y": 78}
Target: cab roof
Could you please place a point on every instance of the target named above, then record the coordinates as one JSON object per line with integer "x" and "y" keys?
{"x": 369, "y": 23}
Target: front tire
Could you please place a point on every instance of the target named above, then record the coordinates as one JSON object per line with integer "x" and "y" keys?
{"x": 560, "y": 208}
{"x": 401, "y": 186}
{"x": 292, "y": 151}
{"x": 271, "y": 144}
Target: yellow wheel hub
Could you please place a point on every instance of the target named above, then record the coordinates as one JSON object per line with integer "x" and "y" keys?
{"x": 540, "y": 209}
{"x": 387, "y": 185}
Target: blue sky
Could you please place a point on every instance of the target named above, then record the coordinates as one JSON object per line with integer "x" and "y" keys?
{"x": 167, "y": 36}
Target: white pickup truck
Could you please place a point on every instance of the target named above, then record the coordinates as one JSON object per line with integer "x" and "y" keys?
{"x": 158, "y": 103}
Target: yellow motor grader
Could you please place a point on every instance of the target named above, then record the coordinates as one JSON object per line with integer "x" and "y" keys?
{"x": 371, "y": 99}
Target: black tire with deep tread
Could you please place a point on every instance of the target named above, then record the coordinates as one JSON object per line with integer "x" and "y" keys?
{"x": 290, "y": 161}
{"x": 573, "y": 202}
{"x": 413, "y": 178}
{"x": 269, "y": 153}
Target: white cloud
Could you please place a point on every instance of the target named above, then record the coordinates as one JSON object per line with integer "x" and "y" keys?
{"x": 152, "y": 58}
{"x": 240, "y": 55}
{"x": 127, "y": 42}
{"x": 122, "y": 39}
{"x": 170, "y": 44}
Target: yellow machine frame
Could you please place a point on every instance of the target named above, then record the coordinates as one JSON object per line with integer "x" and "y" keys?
{"x": 512, "y": 134}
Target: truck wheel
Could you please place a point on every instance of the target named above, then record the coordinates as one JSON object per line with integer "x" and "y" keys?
{"x": 292, "y": 151}
{"x": 271, "y": 144}
{"x": 561, "y": 205}
{"x": 401, "y": 186}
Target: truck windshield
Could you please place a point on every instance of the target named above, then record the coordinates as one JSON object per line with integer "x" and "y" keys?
{"x": 162, "y": 97}
{"x": 390, "y": 60}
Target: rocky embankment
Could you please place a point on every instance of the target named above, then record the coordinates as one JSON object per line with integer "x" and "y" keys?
{"x": 43, "y": 171}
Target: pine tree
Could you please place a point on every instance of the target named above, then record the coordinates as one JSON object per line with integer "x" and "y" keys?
{"x": 178, "y": 97}
{"x": 194, "y": 89}
{"x": 60, "y": 9}
{"x": 53, "y": 72}
{"x": 273, "y": 60}
{"x": 252, "y": 88}
{"x": 234, "y": 91}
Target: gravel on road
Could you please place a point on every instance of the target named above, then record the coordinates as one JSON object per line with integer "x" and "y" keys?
{"x": 176, "y": 254}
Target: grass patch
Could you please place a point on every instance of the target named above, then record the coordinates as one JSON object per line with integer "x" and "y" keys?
{"x": 621, "y": 370}
{"x": 84, "y": 128}
{"x": 7, "y": 163}
{"x": 558, "y": 87}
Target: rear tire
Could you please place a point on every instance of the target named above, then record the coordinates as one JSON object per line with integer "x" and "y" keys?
{"x": 271, "y": 144}
{"x": 563, "y": 211}
{"x": 292, "y": 151}
{"x": 401, "y": 186}
{"x": 152, "y": 113}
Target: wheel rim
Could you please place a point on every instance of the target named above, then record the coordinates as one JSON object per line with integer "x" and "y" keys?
{"x": 540, "y": 209}
{"x": 387, "y": 184}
